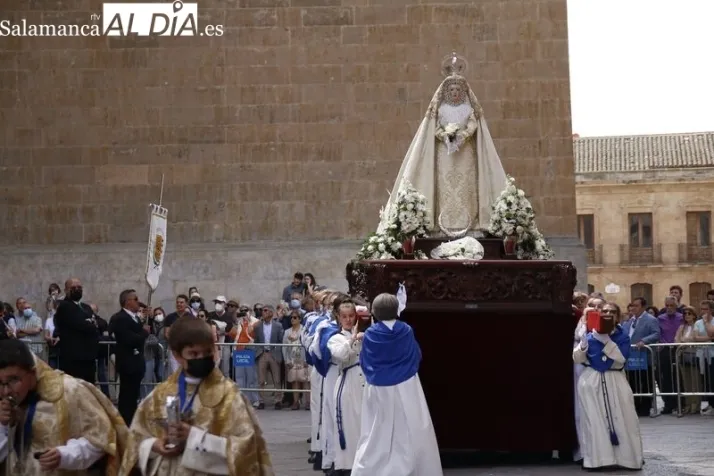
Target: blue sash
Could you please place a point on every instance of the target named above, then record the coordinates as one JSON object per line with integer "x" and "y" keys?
{"x": 26, "y": 439}
{"x": 311, "y": 332}
{"x": 389, "y": 356}
{"x": 322, "y": 364}
{"x": 596, "y": 350}
{"x": 338, "y": 413}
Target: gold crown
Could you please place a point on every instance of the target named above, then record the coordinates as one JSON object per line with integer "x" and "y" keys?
{"x": 454, "y": 64}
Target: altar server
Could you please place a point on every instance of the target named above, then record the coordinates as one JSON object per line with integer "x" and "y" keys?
{"x": 610, "y": 430}
{"x": 344, "y": 350}
{"x": 329, "y": 371}
{"x": 397, "y": 436}
{"x": 312, "y": 320}
{"x": 52, "y": 423}
{"x": 218, "y": 433}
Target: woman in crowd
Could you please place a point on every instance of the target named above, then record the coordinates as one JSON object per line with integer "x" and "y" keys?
{"x": 202, "y": 314}
{"x": 610, "y": 429}
{"x": 688, "y": 362}
{"x": 54, "y": 295}
{"x": 345, "y": 349}
{"x": 297, "y": 372}
{"x": 310, "y": 284}
{"x": 653, "y": 311}
{"x": 195, "y": 303}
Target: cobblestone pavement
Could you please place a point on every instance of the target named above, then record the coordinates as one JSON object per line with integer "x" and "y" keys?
{"x": 673, "y": 447}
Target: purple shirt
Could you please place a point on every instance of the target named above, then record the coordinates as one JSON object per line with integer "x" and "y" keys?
{"x": 668, "y": 326}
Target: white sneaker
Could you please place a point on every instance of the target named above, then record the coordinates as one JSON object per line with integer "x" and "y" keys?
{"x": 708, "y": 411}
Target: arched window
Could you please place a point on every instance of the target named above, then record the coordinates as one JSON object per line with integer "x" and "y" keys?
{"x": 591, "y": 289}
{"x": 643, "y": 290}
{"x": 697, "y": 293}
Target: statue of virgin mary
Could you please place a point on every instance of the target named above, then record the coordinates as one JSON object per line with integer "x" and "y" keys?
{"x": 452, "y": 159}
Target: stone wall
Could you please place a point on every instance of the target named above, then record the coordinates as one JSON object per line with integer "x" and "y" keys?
{"x": 290, "y": 127}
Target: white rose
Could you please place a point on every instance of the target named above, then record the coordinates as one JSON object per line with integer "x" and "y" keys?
{"x": 519, "y": 230}
{"x": 521, "y": 193}
{"x": 381, "y": 247}
{"x": 370, "y": 248}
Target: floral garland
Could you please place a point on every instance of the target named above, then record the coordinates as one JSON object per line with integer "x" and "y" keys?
{"x": 406, "y": 219}
{"x": 513, "y": 215}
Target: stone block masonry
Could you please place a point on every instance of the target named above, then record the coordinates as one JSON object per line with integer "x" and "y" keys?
{"x": 290, "y": 127}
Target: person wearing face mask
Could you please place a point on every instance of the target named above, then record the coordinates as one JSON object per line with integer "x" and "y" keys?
{"x": 610, "y": 429}
{"x": 196, "y": 304}
{"x": 29, "y": 326}
{"x": 159, "y": 317}
{"x": 223, "y": 320}
{"x": 217, "y": 433}
{"x": 59, "y": 423}
{"x": 78, "y": 334}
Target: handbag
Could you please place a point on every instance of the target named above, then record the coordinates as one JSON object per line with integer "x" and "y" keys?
{"x": 298, "y": 373}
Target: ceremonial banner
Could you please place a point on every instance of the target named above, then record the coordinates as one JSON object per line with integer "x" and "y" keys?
{"x": 157, "y": 246}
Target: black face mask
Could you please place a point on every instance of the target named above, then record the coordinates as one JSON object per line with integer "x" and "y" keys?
{"x": 75, "y": 294}
{"x": 201, "y": 368}
{"x": 258, "y": 313}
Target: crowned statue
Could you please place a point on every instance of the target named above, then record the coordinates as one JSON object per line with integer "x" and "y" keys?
{"x": 452, "y": 159}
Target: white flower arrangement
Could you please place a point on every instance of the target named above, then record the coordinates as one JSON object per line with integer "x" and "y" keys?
{"x": 380, "y": 246}
{"x": 410, "y": 213}
{"x": 451, "y": 129}
{"x": 467, "y": 248}
{"x": 513, "y": 215}
{"x": 405, "y": 219}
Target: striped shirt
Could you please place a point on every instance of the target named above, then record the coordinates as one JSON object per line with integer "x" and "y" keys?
{"x": 37, "y": 340}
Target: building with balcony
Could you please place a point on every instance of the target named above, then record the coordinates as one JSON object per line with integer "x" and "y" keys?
{"x": 644, "y": 207}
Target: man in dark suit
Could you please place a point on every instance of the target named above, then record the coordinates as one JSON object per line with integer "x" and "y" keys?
{"x": 130, "y": 331}
{"x": 79, "y": 337}
{"x": 269, "y": 357}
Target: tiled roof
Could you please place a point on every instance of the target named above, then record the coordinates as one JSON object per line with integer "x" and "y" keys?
{"x": 642, "y": 153}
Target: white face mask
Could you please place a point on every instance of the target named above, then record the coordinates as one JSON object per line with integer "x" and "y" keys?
{"x": 196, "y": 306}
{"x": 159, "y": 317}
{"x": 219, "y": 307}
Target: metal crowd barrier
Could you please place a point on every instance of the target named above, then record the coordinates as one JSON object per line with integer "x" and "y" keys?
{"x": 233, "y": 356}
{"x": 681, "y": 374}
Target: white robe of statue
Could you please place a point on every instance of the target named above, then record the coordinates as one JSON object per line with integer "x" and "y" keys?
{"x": 397, "y": 436}
{"x": 459, "y": 173}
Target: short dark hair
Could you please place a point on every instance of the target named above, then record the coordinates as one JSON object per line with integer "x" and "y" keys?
{"x": 678, "y": 288}
{"x": 182, "y": 296}
{"x": 298, "y": 275}
{"x": 124, "y": 296}
{"x": 54, "y": 286}
{"x": 16, "y": 353}
{"x": 643, "y": 301}
{"x": 187, "y": 331}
